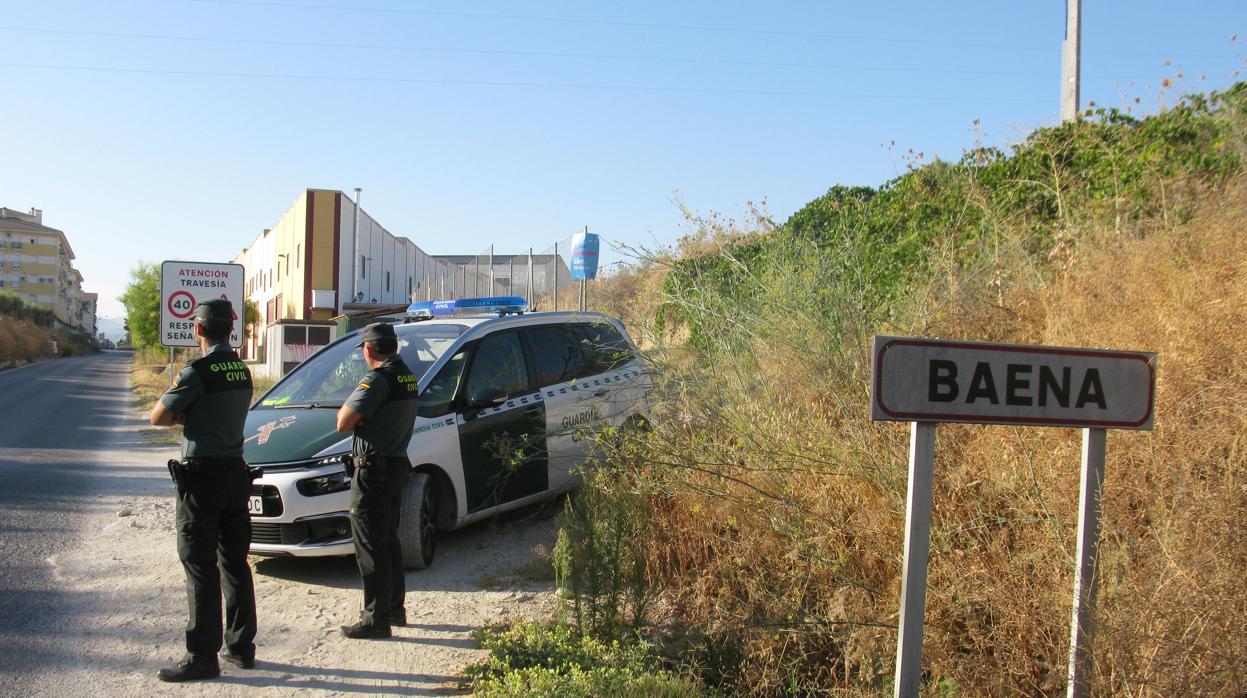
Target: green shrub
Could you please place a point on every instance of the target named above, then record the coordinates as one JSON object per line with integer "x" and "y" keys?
{"x": 600, "y": 556}
{"x": 557, "y": 661}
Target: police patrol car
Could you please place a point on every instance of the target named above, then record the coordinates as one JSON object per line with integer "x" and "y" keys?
{"x": 509, "y": 402}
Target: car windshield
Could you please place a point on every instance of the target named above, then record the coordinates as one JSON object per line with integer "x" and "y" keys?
{"x": 326, "y": 379}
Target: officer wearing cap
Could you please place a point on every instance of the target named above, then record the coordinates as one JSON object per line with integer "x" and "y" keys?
{"x": 380, "y": 412}
{"x": 210, "y": 398}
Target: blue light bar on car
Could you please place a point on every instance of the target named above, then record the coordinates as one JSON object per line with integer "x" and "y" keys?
{"x": 429, "y": 309}
{"x": 501, "y": 305}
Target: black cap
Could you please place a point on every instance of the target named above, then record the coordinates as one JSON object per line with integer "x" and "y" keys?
{"x": 377, "y": 332}
{"x": 218, "y": 310}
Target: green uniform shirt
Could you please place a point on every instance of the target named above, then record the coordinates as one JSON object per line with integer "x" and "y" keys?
{"x": 213, "y": 392}
{"x": 386, "y": 397}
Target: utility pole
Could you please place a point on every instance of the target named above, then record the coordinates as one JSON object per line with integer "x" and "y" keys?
{"x": 1071, "y": 56}
{"x": 355, "y": 249}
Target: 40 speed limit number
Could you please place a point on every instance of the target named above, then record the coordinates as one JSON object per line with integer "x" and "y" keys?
{"x": 181, "y": 304}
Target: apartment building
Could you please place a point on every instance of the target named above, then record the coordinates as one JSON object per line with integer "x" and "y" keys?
{"x": 36, "y": 263}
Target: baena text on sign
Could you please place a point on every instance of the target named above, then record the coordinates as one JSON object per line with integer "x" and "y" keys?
{"x": 1023, "y": 385}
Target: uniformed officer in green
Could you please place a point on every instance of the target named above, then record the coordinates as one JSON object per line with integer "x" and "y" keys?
{"x": 210, "y": 399}
{"x": 381, "y": 412}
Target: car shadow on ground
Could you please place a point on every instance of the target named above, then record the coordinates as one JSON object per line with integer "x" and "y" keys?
{"x": 457, "y": 552}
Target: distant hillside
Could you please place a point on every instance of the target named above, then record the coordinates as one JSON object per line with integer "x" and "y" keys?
{"x": 113, "y": 328}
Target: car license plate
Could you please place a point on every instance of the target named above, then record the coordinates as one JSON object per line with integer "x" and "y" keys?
{"x": 255, "y": 505}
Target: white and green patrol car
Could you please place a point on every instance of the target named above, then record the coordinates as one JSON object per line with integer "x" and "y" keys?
{"x": 509, "y": 402}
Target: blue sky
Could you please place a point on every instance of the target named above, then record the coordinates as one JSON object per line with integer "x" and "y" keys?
{"x": 178, "y": 129}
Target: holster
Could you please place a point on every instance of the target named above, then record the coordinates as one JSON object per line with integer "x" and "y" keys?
{"x": 175, "y": 471}
{"x": 373, "y": 465}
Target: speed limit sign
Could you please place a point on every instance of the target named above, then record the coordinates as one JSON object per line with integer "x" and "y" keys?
{"x": 181, "y": 304}
{"x": 185, "y": 284}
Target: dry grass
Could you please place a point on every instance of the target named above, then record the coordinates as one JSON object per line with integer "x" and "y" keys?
{"x": 22, "y": 341}
{"x": 780, "y": 507}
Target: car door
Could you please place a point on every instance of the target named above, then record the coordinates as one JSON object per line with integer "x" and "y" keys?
{"x": 606, "y": 385}
{"x": 557, "y": 361}
{"x": 501, "y": 420}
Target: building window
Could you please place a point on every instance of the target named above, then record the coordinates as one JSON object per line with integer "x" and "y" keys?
{"x": 363, "y": 267}
{"x": 409, "y": 286}
{"x": 16, "y": 244}
{"x": 387, "y": 282}
{"x": 298, "y": 256}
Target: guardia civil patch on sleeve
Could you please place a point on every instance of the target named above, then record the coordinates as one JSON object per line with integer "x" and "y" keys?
{"x": 364, "y": 385}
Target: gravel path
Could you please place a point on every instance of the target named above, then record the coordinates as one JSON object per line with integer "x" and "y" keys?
{"x": 120, "y": 606}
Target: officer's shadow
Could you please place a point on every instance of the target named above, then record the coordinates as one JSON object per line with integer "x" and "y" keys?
{"x": 278, "y": 674}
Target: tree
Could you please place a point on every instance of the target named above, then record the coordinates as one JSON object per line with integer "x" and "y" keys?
{"x": 142, "y": 302}
{"x": 250, "y": 315}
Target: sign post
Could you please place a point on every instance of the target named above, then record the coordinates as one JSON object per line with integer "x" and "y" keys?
{"x": 584, "y": 262}
{"x": 917, "y": 545}
{"x": 183, "y": 285}
{"x": 1091, "y": 485}
{"x": 925, "y": 381}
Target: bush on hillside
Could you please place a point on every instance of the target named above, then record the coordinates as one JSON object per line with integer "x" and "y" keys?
{"x": 27, "y": 333}
{"x": 776, "y": 508}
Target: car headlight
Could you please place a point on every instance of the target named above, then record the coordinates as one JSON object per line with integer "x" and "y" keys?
{"x": 325, "y": 484}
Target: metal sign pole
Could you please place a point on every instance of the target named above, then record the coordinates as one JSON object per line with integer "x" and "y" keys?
{"x": 917, "y": 545}
{"x": 170, "y": 367}
{"x": 1090, "y": 489}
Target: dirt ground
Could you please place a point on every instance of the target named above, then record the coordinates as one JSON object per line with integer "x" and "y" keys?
{"x": 134, "y": 607}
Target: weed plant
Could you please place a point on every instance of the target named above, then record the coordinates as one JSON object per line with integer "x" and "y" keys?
{"x": 764, "y": 511}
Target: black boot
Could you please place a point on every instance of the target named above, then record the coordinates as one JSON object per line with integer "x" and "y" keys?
{"x": 366, "y": 631}
{"x": 191, "y": 669}
{"x": 242, "y": 661}
{"x": 398, "y": 617}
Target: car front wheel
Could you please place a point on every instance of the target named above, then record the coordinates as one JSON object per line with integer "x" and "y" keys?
{"x": 417, "y": 523}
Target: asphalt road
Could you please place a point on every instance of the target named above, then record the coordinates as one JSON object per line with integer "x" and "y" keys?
{"x": 60, "y": 423}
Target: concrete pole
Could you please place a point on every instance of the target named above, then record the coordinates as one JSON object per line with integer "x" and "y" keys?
{"x": 1071, "y": 56}
{"x": 355, "y": 249}
{"x": 914, "y": 570}
{"x": 528, "y": 293}
{"x": 491, "y": 271}
{"x": 1086, "y": 575}
{"x": 556, "y": 276}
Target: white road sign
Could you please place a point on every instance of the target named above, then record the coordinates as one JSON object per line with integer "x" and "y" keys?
{"x": 183, "y": 284}
{"x": 926, "y": 380}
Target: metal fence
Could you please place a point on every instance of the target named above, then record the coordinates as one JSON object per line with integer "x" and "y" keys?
{"x": 539, "y": 278}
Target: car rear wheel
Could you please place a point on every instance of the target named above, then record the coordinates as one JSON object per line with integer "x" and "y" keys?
{"x": 417, "y": 522}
